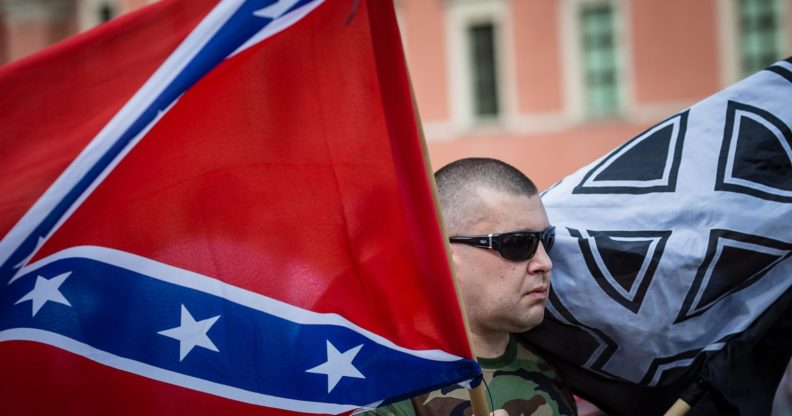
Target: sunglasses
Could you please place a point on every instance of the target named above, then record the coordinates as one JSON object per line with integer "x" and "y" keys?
{"x": 516, "y": 246}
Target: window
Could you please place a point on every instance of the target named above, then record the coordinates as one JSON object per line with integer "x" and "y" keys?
{"x": 105, "y": 12}
{"x": 600, "y": 72}
{"x": 95, "y": 12}
{"x": 477, "y": 31}
{"x": 759, "y": 25}
{"x": 484, "y": 71}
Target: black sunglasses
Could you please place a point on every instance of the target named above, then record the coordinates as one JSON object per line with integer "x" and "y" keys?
{"x": 516, "y": 246}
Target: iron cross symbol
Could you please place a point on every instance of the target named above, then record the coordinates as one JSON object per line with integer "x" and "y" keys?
{"x": 680, "y": 238}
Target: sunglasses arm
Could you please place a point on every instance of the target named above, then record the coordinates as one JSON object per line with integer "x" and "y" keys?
{"x": 484, "y": 241}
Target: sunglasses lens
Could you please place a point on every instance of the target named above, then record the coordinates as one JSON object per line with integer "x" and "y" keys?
{"x": 518, "y": 246}
{"x": 549, "y": 239}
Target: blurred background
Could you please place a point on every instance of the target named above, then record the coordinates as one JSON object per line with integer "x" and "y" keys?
{"x": 546, "y": 85}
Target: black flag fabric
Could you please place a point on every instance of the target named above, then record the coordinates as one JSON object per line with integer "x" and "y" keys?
{"x": 672, "y": 271}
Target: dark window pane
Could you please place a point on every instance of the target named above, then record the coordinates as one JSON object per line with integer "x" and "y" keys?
{"x": 106, "y": 12}
{"x": 485, "y": 71}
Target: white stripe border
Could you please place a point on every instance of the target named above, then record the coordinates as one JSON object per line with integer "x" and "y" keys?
{"x": 215, "y": 287}
{"x": 171, "y": 377}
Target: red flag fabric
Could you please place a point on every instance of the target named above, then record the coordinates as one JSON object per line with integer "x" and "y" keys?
{"x": 251, "y": 228}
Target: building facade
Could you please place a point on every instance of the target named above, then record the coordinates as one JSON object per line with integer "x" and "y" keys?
{"x": 27, "y": 26}
{"x": 547, "y": 85}
{"x": 550, "y": 85}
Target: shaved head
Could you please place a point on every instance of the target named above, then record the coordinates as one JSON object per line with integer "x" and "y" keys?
{"x": 463, "y": 185}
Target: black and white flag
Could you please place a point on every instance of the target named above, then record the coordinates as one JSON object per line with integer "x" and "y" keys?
{"x": 673, "y": 253}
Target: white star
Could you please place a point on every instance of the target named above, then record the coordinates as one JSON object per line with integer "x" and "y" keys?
{"x": 191, "y": 333}
{"x": 338, "y": 365}
{"x": 46, "y": 290}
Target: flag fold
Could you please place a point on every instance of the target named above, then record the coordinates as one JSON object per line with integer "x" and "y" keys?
{"x": 241, "y": 224}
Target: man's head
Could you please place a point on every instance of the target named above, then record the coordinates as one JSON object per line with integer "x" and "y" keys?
{"x": 486, "y": 196}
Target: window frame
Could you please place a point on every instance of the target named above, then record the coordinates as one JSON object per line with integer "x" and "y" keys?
{"x": 731, "y": 37}
{"x": 460, "y": 16}
{"x": 573, "y": 53}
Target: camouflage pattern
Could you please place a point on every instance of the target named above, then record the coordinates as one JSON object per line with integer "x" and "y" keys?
{"x": 520, "y": 383}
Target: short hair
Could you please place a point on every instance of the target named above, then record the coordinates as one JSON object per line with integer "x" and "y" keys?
{"x": 459, "y": 182}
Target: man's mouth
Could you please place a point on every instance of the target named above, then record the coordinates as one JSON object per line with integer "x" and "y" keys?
{"x": 538, "y": 292}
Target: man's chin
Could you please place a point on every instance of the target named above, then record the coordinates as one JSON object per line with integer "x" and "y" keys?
{"x": 530, "y": 321}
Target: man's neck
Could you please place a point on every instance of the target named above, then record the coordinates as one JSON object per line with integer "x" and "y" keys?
{"x": 491, "y": 345}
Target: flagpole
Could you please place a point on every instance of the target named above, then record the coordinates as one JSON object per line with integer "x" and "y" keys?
{"x": 689, "y": 397}
{"x": 679, "y": 408}
{"x": 477, "y": 397}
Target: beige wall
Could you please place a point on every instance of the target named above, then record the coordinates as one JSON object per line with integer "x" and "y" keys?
{"x": 31, "y": 25}
{"x": 789, "y": 27}
{"x": 545, "y": 158}
{"x": 3, "y": 37}
{"x": 675, "y": 53}
{"x": 424, "y": 34}
{"x": 537, "y": 55}
{"x": 34, "y": 24}
{"x": 674, "y": 50}
{"x": 129, "y": 5}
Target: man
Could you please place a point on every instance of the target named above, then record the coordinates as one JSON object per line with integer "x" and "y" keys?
{"x": 500, "y": 237}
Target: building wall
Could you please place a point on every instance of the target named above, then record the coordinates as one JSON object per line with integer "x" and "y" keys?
{"x": 34, "y": 24}
{"x": 537, "y": 56}
{"x": 3, "y": 36}
{"x": 27, "y": 26}
{"x": 419, "y": 25}
{"x": 675, "y": 50}
{"x": 669, "y": 53}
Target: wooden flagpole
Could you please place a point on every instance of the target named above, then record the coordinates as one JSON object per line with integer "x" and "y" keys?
{"x": 477, "y": 397}
{"x": 680, "y": 408}
{"x": 689, "y": 397}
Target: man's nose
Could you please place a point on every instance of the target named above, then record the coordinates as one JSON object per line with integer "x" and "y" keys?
{"x": 540, "y": 262}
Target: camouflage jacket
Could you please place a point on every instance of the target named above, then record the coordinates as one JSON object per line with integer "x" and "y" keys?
{"x": 519, "y": 383}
